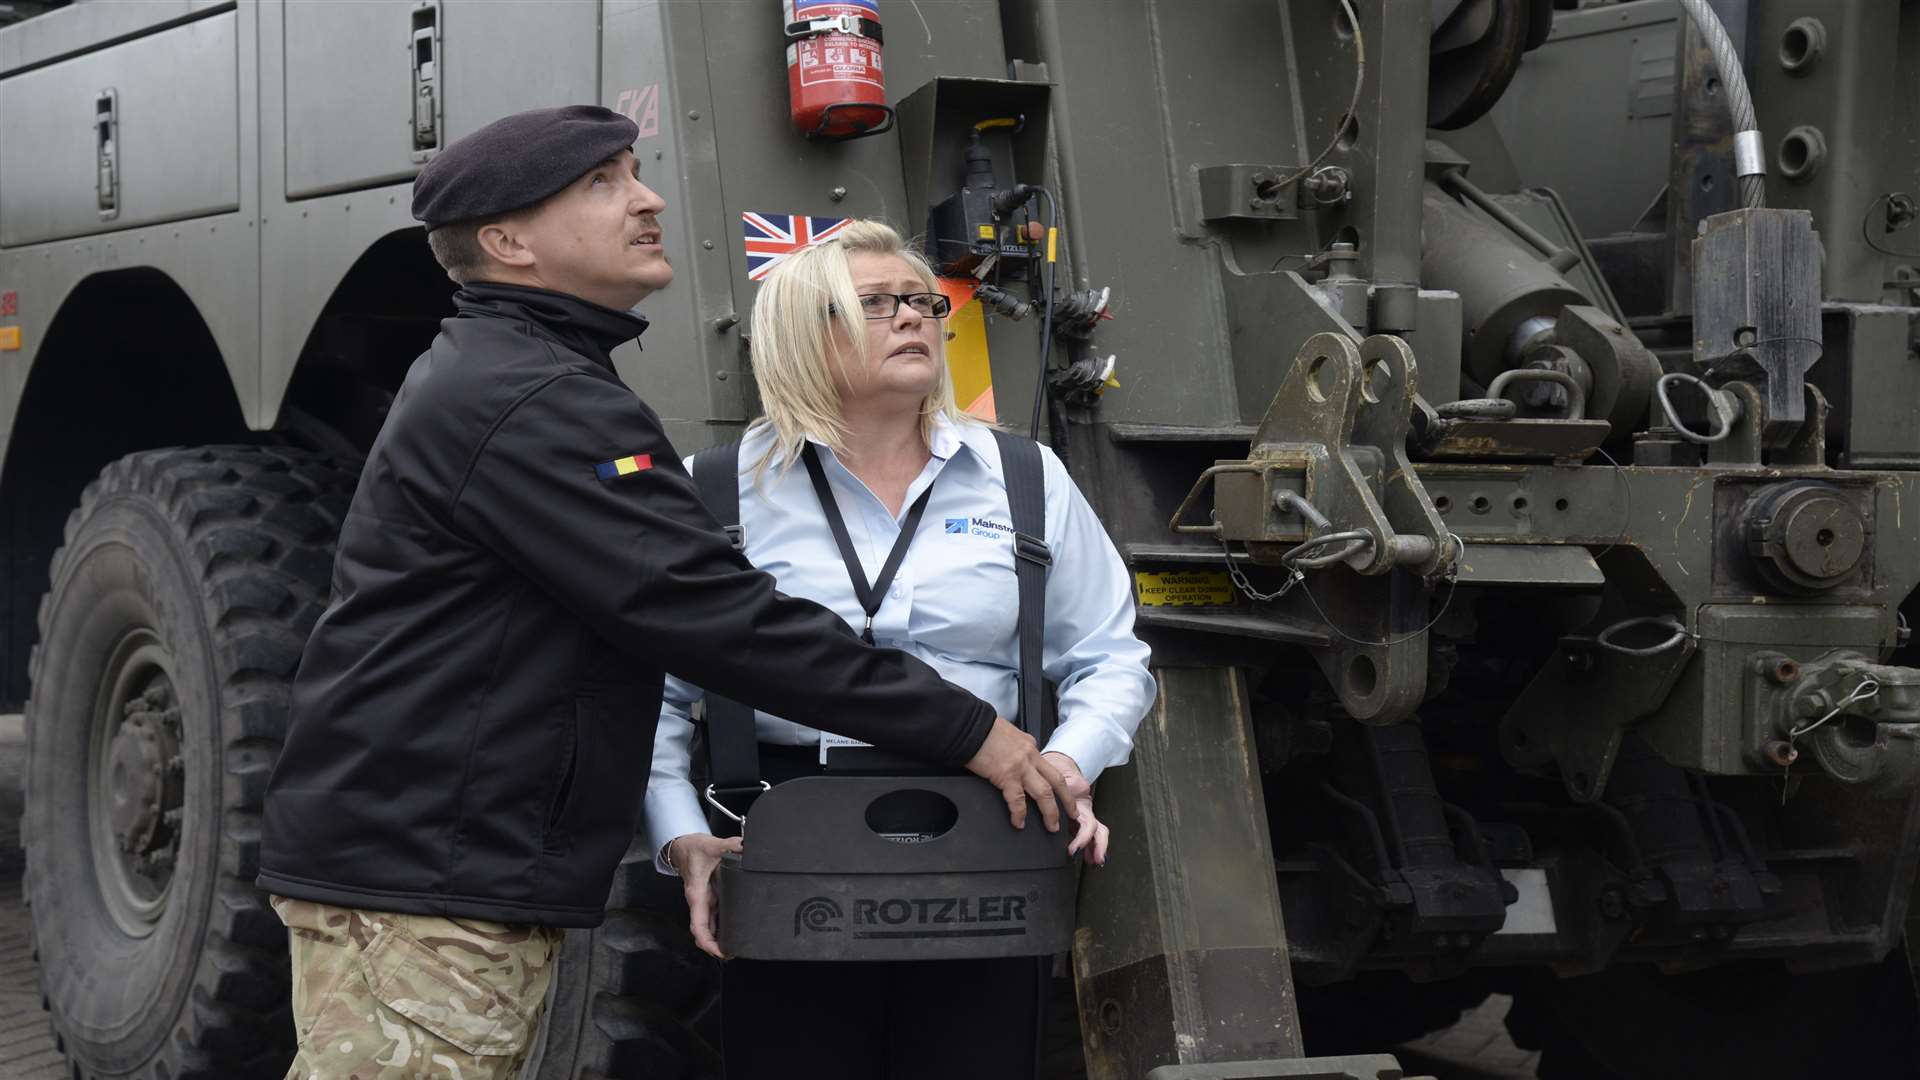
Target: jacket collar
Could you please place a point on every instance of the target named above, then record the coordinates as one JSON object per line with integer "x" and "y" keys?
{"x": 581, "y": 325}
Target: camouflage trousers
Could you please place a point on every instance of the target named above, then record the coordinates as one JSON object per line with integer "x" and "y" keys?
{"x": 385, "y": 996}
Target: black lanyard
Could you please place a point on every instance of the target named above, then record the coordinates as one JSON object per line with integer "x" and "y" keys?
{"x": 871, "y": 596}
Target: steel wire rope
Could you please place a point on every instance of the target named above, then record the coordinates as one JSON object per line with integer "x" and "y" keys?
{"x": 1353, "y": 102}
{"x": 1726, "y": 59}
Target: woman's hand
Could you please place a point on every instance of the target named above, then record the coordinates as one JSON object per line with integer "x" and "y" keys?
{"x": 1092, "y": 837}
{"x": 696, "y": 856}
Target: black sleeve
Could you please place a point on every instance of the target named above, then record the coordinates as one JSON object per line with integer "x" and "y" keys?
{"x": 638, "y": 558}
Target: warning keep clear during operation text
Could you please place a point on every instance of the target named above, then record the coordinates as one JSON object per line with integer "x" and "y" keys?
{"x": 1195, "y": 588}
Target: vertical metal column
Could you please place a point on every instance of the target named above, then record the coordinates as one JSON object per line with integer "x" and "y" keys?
{"x": 1390, "y": 139}
{"x": 1190, "y": 962}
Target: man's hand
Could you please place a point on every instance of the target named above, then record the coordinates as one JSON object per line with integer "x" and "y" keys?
{"x": 1092, "y": 837}
{"x": 696, "y": 856}
{"x": 1010, "y": 760}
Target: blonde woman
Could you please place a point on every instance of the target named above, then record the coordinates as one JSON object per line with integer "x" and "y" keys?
{"x": 848, "y": 347}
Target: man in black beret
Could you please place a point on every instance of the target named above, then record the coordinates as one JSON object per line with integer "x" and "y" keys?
{"x": 524, "y": 559}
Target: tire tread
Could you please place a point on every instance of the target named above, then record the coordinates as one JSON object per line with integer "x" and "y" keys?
{"x": 258, "y": 522}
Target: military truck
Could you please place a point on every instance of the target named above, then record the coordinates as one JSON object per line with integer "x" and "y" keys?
{"x": 1507, "y": 408}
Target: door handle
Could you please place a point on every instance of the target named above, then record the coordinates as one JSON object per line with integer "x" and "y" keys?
{"x": 424, "y": 47}
{"x": 106, "y": 143}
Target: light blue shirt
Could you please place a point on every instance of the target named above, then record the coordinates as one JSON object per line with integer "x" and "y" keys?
{"x": 953, "y": 604}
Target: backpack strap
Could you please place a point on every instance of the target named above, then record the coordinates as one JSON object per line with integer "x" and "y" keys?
{"x": 716, "y": 473}
{"x": 1027, "y": 502}
{"x": 733, "y": 747}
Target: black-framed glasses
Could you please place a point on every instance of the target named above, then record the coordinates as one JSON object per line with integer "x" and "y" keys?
{"x": 886, "y": 305}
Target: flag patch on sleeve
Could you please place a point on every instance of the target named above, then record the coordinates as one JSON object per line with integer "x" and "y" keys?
{"x": 623, "y": 466}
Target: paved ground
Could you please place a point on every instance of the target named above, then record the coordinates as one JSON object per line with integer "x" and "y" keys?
{"x": 26, "y": 1045}
{"x": 1476, "y": 1048}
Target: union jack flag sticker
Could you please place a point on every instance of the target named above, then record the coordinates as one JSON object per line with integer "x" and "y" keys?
{"x": 773, "y": 237}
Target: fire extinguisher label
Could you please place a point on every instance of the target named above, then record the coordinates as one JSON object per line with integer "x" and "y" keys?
{"x": 839, "y": 58}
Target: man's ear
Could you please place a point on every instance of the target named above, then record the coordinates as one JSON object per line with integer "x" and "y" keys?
{"x": 501, "y": 241}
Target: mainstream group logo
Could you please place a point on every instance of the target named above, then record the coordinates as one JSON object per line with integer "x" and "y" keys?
{"x": 978, "y": 526}
{"x": 895, "y": 917}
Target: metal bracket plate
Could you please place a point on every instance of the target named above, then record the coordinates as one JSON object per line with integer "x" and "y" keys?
{"x": 1564, "y": 718}
{"x": 1246, "y": 192}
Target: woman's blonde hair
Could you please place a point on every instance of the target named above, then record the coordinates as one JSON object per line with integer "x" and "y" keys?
{"x": 794, "y": 358}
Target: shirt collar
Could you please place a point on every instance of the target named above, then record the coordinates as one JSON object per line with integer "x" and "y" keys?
{"x": 946, "y": 439}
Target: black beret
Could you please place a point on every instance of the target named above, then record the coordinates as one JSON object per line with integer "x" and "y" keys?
{"x": 516, "y": 161}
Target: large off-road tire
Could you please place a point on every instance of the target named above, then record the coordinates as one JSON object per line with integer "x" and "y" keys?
{"x": 1756, "y": 1021}
{"x": 634, "y": 997}
{"x": 175, "y": 617}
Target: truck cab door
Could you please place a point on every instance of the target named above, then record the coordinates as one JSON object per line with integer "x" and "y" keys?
{"x": 374, "y": 90}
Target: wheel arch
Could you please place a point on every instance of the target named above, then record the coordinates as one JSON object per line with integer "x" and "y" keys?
{"x": 128, "y": 363}
{"x": 380, "y": 316}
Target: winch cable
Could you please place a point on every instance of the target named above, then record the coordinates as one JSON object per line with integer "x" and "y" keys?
{"x": 1749, "y": 154}
{"x": 1353, "y": 103}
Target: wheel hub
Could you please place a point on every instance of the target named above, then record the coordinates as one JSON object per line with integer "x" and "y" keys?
{"x": 138, "y": 783}
{"x": 144, "y": 770}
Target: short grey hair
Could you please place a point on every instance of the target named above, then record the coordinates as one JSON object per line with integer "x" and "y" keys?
{"x": 456, "y": 247}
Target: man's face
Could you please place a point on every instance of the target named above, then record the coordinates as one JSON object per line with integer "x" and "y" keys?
{"x": 598, "y": 238}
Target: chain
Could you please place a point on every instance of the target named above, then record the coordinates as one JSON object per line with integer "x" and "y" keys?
{"x": 1296, "y": 576}
{"x": 1245, "y": 585}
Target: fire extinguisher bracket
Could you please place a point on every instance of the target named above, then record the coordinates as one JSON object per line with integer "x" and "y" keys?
{"x": 824, "y": 134}
{"x": 894, "y": 868}
{"x": 841, "y": 24}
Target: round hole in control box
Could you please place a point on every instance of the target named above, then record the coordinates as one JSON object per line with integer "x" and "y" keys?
{"x": 912, "y": 816}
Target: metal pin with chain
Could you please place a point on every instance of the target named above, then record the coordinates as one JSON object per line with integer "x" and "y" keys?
{"x": 1245, "y": 584}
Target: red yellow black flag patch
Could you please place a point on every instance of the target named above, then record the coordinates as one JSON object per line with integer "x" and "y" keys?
{"x": 623, "y": 466}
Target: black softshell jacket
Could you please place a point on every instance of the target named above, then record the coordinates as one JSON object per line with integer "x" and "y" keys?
{"x": 472, "y": 722}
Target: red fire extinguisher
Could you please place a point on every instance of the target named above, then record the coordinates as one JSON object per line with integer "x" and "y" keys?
{"x": 835, "y": 84}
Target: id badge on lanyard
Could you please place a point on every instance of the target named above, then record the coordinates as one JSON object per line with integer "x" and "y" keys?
{"x": 871, "y": 595}
{"x": 829, "y": 741}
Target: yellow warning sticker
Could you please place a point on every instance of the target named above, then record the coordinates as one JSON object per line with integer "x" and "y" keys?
{"x": 986, "y": 232}
{"x": 1193, "y": 588}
